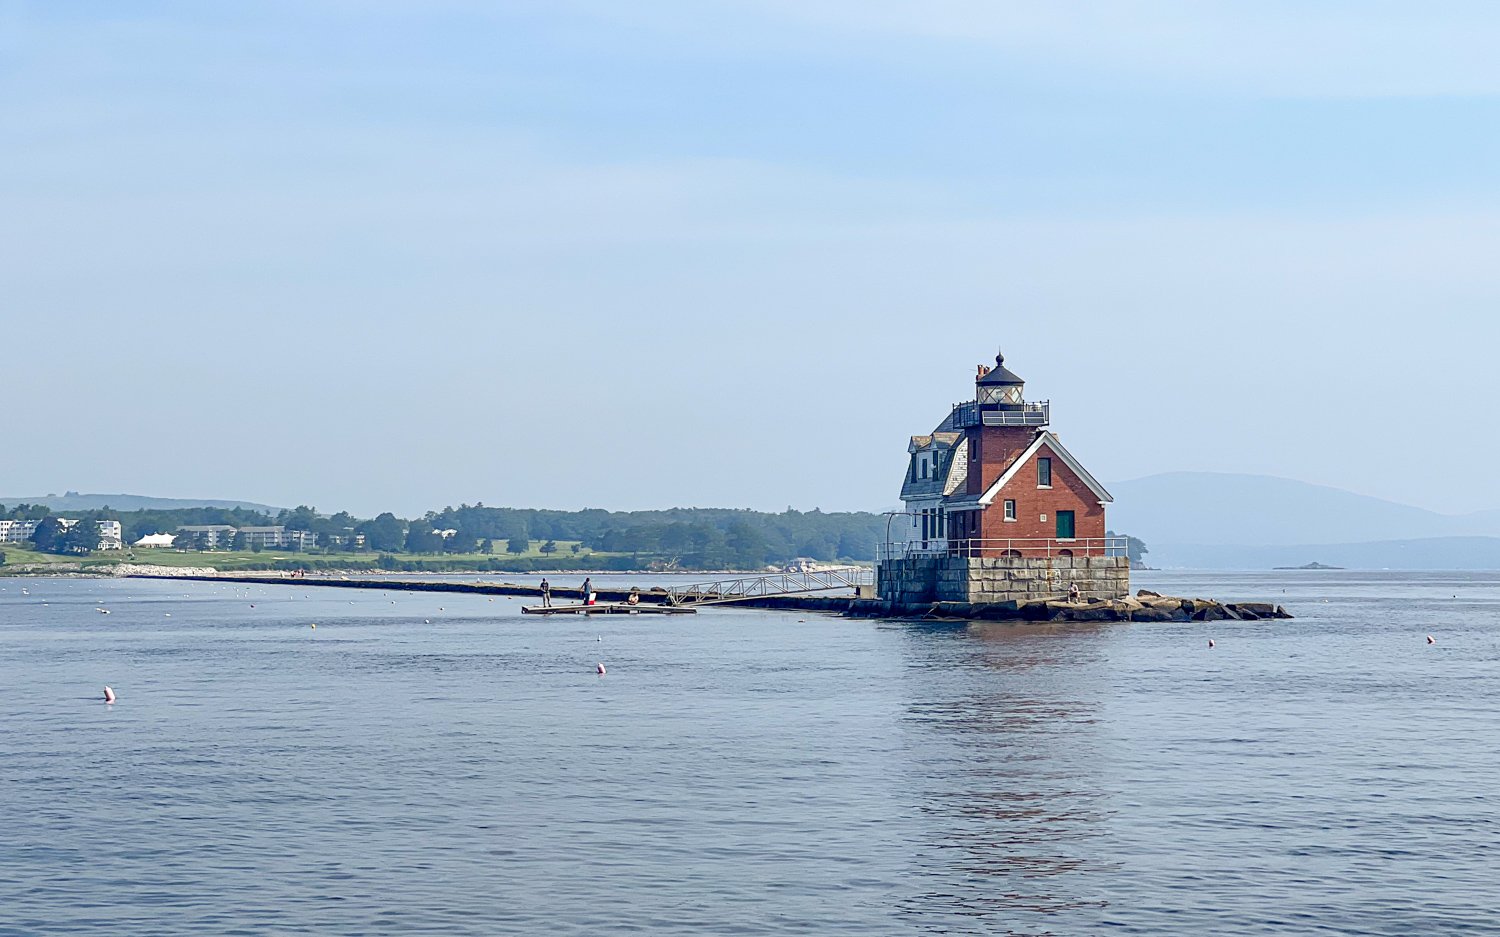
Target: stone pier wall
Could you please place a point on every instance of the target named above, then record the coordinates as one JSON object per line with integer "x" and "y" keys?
{"x": 997, "y": 579}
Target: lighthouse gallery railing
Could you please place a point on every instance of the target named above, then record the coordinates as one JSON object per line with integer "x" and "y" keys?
{"x": 1001, "y": 547}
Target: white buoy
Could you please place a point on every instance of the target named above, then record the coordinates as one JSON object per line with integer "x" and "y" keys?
{"x": 313, "y": 626}
{"x": 1431, "y": 639}
{"x": 600, "y": 670}
{"x": 109, "y": 694}
{"x": 1210, "y": 642}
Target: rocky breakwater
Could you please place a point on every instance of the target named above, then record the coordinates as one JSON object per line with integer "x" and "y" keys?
{"x": 141, "y": 570}
{"x": 1145, "y": 606}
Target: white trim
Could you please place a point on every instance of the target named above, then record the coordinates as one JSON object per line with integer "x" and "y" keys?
{"x": 1050, "y": 441}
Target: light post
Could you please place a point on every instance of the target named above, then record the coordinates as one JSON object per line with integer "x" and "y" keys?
{"x": 890, "y": 516}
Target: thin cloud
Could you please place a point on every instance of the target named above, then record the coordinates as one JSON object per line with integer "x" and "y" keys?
{"x": 1374, "y": 48}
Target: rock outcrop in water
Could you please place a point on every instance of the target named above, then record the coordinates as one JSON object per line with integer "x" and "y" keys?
{"x": 1145, "y": 606}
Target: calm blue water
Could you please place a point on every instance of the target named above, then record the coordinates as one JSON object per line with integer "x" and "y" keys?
{"x": 440, "y": 764}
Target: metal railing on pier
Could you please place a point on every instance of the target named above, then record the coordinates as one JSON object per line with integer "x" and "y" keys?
{"x": 1012, "y": 547}
{"x": 787, "y": 583}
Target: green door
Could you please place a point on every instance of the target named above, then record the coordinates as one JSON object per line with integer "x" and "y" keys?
{"x": 1065, "y": 525}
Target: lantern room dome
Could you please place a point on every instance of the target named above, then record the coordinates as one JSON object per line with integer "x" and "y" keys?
{"x": 999, "y": 375}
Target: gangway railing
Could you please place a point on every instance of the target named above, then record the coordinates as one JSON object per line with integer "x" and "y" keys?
{"x": 753, "y": 587}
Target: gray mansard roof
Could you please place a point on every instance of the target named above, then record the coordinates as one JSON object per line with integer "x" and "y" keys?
{"x": 951, "y": 453}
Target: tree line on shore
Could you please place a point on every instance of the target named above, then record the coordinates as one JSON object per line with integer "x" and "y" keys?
{"x": 689, "y": 538}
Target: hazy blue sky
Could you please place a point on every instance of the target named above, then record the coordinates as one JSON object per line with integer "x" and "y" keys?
{"x": 672, "y": 252}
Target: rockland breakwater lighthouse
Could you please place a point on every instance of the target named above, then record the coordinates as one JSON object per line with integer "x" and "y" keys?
{"x": 997, "y": 510}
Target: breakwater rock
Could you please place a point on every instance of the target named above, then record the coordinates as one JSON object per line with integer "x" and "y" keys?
{"x": 146, "y": 571}
{"x": 1144, "y": 606}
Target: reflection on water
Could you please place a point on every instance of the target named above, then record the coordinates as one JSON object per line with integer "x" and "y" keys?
{"x": 1002, "y": 751}
{"x": 440, "y": 764}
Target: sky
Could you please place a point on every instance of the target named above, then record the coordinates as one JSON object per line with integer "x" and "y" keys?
{"x": 377, "y": 255}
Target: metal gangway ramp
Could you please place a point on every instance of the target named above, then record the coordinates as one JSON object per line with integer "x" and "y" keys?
{"x": 754, "y": 587}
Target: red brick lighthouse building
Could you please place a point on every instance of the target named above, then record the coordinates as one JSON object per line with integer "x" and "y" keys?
{"x": 999, "y": 509}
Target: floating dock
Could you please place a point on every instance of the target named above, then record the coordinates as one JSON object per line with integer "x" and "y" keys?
{"x": 606, "y": 608}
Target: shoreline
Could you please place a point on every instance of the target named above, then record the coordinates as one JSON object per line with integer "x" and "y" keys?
{"x": 74, "y": 570}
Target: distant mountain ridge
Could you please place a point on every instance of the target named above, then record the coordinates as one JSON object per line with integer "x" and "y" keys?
{"x": 74, "y": 501}
{"x": 1211, "y": 520}
{"x": 1262, "y": 510}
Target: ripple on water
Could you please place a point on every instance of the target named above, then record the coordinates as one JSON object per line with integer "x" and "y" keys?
{"x": 744, "y": 773}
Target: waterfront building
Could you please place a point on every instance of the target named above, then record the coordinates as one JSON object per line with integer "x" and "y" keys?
{"x": 221, "y": 536}
{"x": 17, "y": 531}
{"x": 205, "y": 536}
{"x": 277, "y": 538}
{"x": 111, "y": 536}
{"x": 262, "y": 537}
{"x": 997, "y": 509}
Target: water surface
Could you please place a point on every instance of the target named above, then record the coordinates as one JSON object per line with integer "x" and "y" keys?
{"x": 424, "y": 763}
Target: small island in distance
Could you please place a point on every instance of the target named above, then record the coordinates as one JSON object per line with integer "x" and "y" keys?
{"x": 1313, "y": 565}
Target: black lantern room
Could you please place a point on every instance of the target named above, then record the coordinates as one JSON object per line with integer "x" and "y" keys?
{"x": 1000, "y": 387}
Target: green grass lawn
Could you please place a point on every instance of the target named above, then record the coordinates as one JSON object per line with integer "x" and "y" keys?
{"x": 245, "y": 559}
{"x": 15, "y": 555}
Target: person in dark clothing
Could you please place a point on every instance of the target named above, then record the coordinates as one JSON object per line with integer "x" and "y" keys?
{"x": 546, "y": 594}
{"x": 588, "y": 591}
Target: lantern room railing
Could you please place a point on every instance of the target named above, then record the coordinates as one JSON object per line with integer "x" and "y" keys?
{"x": 968, "y": 414}
{"x": 1005, "y": 547}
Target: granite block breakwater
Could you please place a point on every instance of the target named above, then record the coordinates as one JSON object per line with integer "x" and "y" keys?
{"x": 1145, "y": 606}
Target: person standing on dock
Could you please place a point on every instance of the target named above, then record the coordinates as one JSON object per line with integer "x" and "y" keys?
{"x": 546, "y": 593}
{"x": 588, "y": 591}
